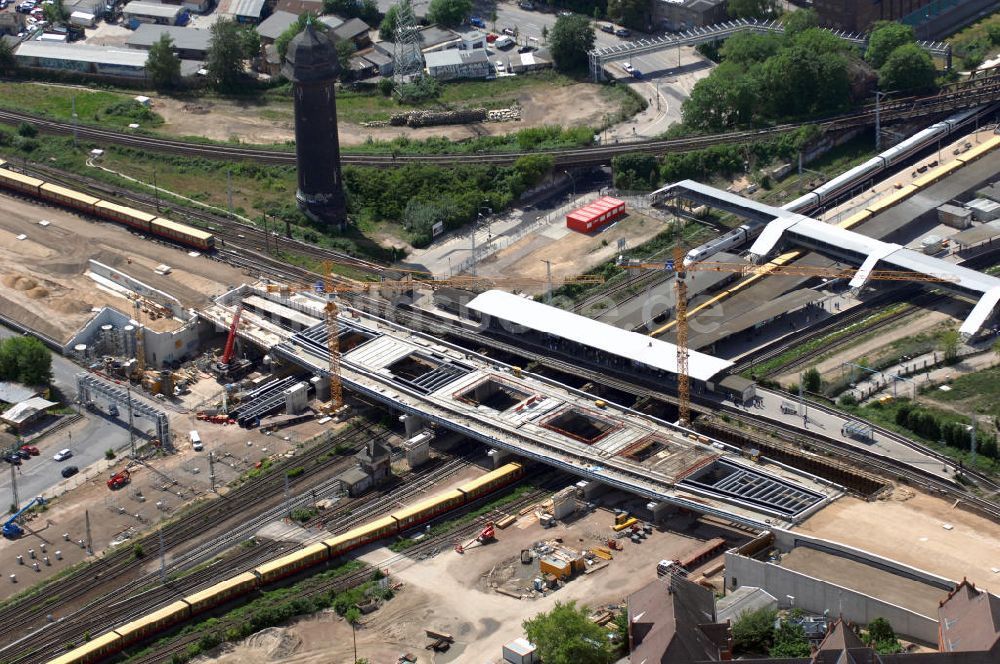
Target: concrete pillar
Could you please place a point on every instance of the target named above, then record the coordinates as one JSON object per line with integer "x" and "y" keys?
{"x": 418, "y": 449}
{"x": 413, "y": 424}
{"x": 321, "y": 385}
{"x": 590, "y": 490}
{"x": 661, "y": 511}
{"x": 499, "y": 457}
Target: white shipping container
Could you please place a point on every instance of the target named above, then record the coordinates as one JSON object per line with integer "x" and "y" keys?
{"x": 520, "y": 651}
{"x": 83, "y": 19}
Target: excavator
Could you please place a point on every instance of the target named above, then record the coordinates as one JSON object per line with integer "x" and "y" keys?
{"x": 486, "y": 535}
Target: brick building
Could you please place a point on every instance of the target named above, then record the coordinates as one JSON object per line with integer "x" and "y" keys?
{"x": 858, "y": 15}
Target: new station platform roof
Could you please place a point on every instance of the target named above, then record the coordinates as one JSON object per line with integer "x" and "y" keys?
{"x": 866, "y": 252}
{"x": 557, "y": 322}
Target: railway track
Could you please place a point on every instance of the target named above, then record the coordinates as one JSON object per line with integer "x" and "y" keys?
{"x": 235, "y": 235}
{"x": 115, "y": 608}
{"x": 956, "y": 96}
{"x": 429, "y": 546}
{"x": 23, "y": 616}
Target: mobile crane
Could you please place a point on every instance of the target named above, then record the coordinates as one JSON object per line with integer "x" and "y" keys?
{"x": 11, "y": 529}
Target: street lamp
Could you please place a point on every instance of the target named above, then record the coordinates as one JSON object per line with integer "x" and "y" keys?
{"x": 573, "y": 180}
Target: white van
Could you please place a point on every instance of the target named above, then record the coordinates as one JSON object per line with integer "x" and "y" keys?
{"x": 196, "y": 441}
{"x": 504, "y": 42}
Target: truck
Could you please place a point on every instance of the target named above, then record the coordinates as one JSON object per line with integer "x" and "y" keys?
{"x": 196, "y": 443}
{"x": 83, "y": 19}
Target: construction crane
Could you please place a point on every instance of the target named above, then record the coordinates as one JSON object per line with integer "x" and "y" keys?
{"x": 140, "y": 344}
{"x": 332, "y": 286}
{"x": 486, "y": 535}
{"x": 227, "y": 353}
{"x": 11, "y": 529}
{"x": 679, "y": 268}
{"x": 228, "y": 369}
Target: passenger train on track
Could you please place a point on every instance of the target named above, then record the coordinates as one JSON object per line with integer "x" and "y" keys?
{"x": 266, "y": 574}
{"x": 843, "y": 184}
{"x": 135, "y": 219}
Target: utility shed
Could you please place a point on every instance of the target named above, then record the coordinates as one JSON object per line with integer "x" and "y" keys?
{"x": 596, "y": 215}
{"x": 275, "y": 25}
{"x": 954, "y": 216}
{"x": 248, "y": 11}
{"x": 137, "y": 12}
{"x": 26, "y": 412}
{"x": 983, "y": 209}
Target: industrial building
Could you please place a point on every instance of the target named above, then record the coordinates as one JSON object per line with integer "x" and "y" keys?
{"x": 248, "y": 12}
{"x": 452, "y": 64}
{"x": 188, "y": 43}
{"x": 112, "y": 62}
{"x": 138, "y": 12}
{"x": 931, "y": 19}
{"x": 681, "y": 15}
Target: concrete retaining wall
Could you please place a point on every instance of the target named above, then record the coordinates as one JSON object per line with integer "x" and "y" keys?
{"x": 816, "y": 595}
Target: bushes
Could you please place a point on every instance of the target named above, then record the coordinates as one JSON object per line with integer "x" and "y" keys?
{"x": 952, "y": 431}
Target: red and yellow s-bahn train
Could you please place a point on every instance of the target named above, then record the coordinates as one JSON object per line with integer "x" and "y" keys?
{"x": 136, "y": 219}
{"x": 143, "y": 628}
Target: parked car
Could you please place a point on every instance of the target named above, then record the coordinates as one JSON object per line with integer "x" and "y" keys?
{"x": 31, "y": 449}
{"x": 622, "y": 32}
{"x": 627, "y": 67}
{"x": 509, "y": 31}
{"x": 525, "y": 49}
{"x": 526, "y": 4}
{"x": 24, "y": 454}
{"x": 504, "y": 42}
{"x": 62, "y": 455}
{"x": 113, "y": 410}
{"x": 610, "y": 29}
{"x": 13, "y": 458}
{"x": 69, "y": 471}
{"x": 636, "y": 73}
{"x": 477, "y": 22}
{"x": 490, "y": 38}
{"x": 500, "y": 66}
{"x": 565, "y": 13}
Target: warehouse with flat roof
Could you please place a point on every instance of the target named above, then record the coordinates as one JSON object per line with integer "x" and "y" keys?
{"x": 113, "y": 62}
{"x": 189, "y": 43}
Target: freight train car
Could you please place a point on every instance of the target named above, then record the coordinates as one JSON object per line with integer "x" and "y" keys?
{"x": 286, "y": 566}
{"x": 87, "y": 204}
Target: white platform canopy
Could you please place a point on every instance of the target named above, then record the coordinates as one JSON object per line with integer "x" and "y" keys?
{"x": 609, "y": 339}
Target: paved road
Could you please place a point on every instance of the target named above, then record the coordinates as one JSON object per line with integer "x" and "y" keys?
{"x": 88, "y": 439}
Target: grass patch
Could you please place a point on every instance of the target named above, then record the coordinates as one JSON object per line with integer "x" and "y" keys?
{"x": 94, "y": 107}
{"x": 977, "y": 392}
{"x": 404, "y": 543}
{"x": 774, "y": 364}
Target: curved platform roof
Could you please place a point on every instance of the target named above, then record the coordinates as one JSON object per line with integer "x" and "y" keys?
{"x": 585, "y": 331}
{"x": 784, "y": 227}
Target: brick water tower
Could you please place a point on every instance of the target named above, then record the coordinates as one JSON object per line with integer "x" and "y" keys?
{"x": 311, "y": 65}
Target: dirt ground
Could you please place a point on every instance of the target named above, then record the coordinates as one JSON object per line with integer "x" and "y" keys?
{"x": 909, "y": 527}
{"x": 42, "y": 278}
{"x": 569, "y": 106}
{"x": 118, "y": 516}
{"x": 448, "y": 592}
{"x": 881, "y": 344}
{"x": 569, "y": 252}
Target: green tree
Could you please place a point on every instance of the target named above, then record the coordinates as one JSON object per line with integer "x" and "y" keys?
{"x": 163, "y": 65}
{"x": 753, "y": 632}
{"x": 727, "y": 98}
{"x": 534, "y": 168}
{"x": 948, "y": 343}
{"x": 55, "y": 13}
{"x": 571, "y": 38}
{"x": 225, "y": 55}
{"x": 882, "y": 637}
{"x": 996, "y": 347}
{"x": 800, "y": 20}
{"x": 345, "y": 51}
{"x": 449, "y": 13}
{"x": 790, "y": 641}
{"x": 751, "y": 8}
{"x": 7, "y": 60}
{"x": 631, "y": 13}
{"x": 249, "y": 42}
{"x": 749, "y": 48}
{"x": 908, "y": 68}
{"x": 26, "y": 360}
{"x": 387, "y": 28}
{"x": 566, "y": 635}
{"x": 886, "y": 37}
{"x": 366, "y": 10}
{"x": 811, "y": 380}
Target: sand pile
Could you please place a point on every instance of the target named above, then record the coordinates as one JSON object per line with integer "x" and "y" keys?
{"x": 275, "y": 643}
{"x": 37, "y": 293}
{"x": 71, "y": 306}
{"x": 18, "y": 282}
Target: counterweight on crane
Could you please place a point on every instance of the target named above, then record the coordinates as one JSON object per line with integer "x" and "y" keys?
{"x": 680, "y": 269}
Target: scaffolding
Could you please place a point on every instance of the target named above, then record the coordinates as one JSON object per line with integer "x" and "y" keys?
{"x": 407, "y": 58}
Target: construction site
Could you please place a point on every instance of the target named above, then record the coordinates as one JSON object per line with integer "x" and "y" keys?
{"x": 236, "y": 424}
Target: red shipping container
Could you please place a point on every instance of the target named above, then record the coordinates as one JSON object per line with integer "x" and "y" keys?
{"x": 596, "y": 215}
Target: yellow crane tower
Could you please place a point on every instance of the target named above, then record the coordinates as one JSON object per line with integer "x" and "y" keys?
{"x": 336, "y": 285}
{"x": 680, "y": 269}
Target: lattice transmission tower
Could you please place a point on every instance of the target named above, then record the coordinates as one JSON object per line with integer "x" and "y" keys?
{"x": 408, "y": 59}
